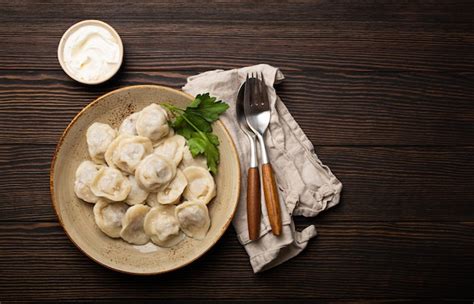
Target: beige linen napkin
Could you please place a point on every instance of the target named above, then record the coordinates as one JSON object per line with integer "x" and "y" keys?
{"x": 306, "y": 186}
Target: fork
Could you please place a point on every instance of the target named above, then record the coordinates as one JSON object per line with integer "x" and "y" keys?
{"x": 257, "y": 114}
{"x": 253, "y": 176}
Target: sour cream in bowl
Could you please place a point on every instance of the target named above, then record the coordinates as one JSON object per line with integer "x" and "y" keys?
{"x": 90, "y": 52}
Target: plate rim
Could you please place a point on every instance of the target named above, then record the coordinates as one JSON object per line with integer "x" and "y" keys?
{"x": 60, "y": 144}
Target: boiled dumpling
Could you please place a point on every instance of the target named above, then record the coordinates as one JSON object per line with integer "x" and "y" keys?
{"x": 109, "y": 153}
{"x": 201, "y": 186}
{"x": 171, "y": 133}
{"x": 152, "y": 122}
{"x": 108, "y": 216}
{"x": 130, "y": 151}
{"x": 155, "y": 172}
{"x": 137, "y": 195}
{"x": 128, "y": 126}
{"x": 99, "y": 136}
{"x": 188, "y": 160}
{"x": 172, "y": 193}
{"x": 193, "y": 218}
{"x": 85, "y": 174}
{"x": 132, "y": 225}
{"x": 162, "y": 226}
{"x": 152, "y": 200}
{"x": 111, "y": 184}
{"x": 172, "y": 148}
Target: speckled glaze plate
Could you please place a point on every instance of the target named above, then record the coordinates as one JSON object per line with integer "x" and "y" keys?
{"x": 76, "y": 216}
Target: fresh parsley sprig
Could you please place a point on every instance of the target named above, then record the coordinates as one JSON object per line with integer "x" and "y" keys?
{"x": 194, "y": 123}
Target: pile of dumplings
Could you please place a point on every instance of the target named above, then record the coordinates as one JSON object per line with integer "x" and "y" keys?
{"x": 144, "y": 182}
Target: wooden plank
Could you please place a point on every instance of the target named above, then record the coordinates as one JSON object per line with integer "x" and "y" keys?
{"x": 183, "y": 44}
{"x": 380, "y": 183}
{"x": 347, "y": 260}
{"x": 355, "y": 108}
{"x": 382, "y": 88}
{"x": 382, "y": 108}
{"x": 444, "y": 11}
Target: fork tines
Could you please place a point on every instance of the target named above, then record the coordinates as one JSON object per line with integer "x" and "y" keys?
{"x": 255, "y": 92}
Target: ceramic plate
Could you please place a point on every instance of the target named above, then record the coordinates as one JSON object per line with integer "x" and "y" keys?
{"x": 76, "y": 216}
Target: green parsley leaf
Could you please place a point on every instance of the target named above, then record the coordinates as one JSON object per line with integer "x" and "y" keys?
{"x": 209, "y": 108}
{"x": 212, "y": 155}
{"x": 197, "y": 145}
{"x": 198, "y": 121}
{"x": 194, "y": 124}
{"x": 213, "y": 138}
{"x": 186, "y": 131}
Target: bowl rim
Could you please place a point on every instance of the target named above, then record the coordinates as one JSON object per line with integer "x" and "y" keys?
{"x": 67, "y": 34}
{"x": 60, "y": 144}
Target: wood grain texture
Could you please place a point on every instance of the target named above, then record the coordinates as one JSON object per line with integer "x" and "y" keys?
{"x": 152, "y": 45}
{"x": 254, "y": 206}
{"x": 272, "y": 200}
{"x": 332, "y": 108}
{"x": 383, "y": 89}
{"x": 381, "y": 183}
{"x": 374, "y": 260}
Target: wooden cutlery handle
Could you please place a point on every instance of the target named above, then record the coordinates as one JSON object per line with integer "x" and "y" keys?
{"x": 272, "y": 200}
{"x": 254, "y": 209}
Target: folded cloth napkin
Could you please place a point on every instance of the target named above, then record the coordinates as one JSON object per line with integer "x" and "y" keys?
{"x": 306, "y": 186}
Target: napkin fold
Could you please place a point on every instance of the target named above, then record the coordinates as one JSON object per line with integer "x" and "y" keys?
{"x": 306, "y": 186}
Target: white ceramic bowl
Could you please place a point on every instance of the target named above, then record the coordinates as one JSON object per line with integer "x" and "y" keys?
{"x": 74, "y": 28}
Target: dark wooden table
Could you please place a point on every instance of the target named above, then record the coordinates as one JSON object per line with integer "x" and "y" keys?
{"x": 384, "y": 90}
